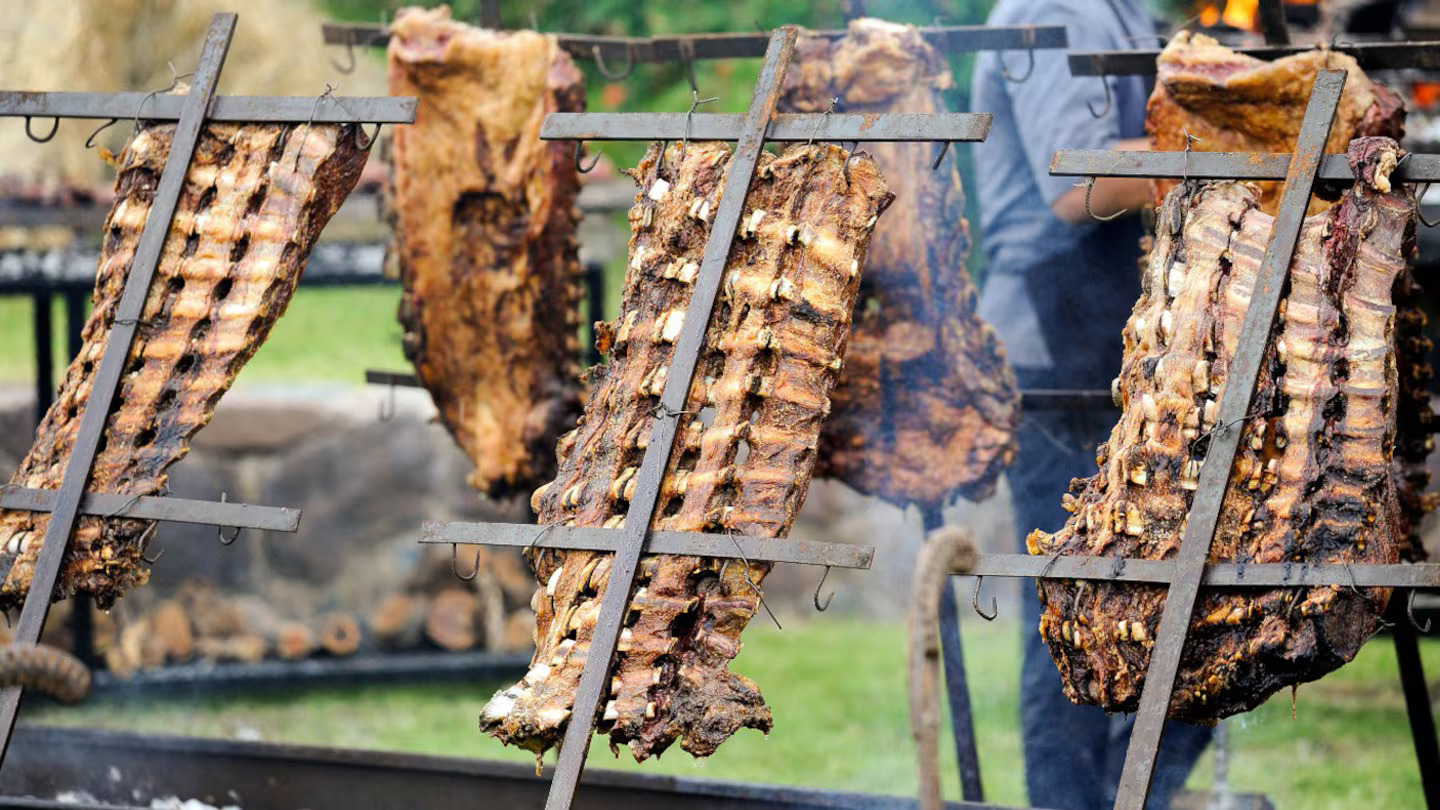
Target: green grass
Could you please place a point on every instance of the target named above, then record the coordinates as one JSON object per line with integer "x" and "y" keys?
{"x": 327, "y": 335}
{"x": 837, "y": 688}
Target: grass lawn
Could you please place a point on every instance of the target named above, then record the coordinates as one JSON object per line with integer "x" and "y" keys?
{"x": 837, "y": 689}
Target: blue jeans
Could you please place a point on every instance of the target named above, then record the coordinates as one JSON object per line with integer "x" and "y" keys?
{"x": 1074, "y": 755}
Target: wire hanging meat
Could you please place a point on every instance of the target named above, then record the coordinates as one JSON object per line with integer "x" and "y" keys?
{"x": 743, "y": 456}
{"x": 1312, "y": 480}
{"x": 485, "y": 225}
{"x": 926, "y": 406}
{"x": 256, "y": 197}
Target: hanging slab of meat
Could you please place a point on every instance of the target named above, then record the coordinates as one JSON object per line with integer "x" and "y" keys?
{"x": 485, "y": 236}
{"x": 743, "y": 456}
{"x": 927, "y": 405}
{"x": 255, "y": 199}
{"x": 1230, "y": 102}
{"x": 1312, "y": 480}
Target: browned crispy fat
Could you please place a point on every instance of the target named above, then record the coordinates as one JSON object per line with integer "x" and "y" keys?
{"x": 1312, "y": 480}
{"x": 743, "y": 457}
{"x": 485, "y": 226}
{"x": 246, "y": 221}
{"x": 927, "y": 405}
{"x": 1230, "y": 102}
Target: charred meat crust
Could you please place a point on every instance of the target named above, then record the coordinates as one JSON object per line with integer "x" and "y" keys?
{"x": 486, "y": 222}
{"x": 255, "y": 199}
{"x": 743, "y": 456}
{"x": 927, "y": 405}
{"x": 1312, "y": 480}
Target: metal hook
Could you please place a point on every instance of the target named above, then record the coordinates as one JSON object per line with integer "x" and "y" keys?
{"x": 821, "y": 122}
{"x": 1109, "y": 101}
{"x": 579, "y": 167}
{"x": 828, "y": 599}
{"x": 220, "y": 530}
{"x": 1420, "y": 212}
{"x": 660, "y": 161}
{"x": 975, "y": 602}
{"x": 944, "y": 147}
{"x": 363, "y": 142}
{"x": 155, "y": 559}
{"x": 90, "y": 141}
{"x": 1089, "y": 188}
{"x": 174, "y": 82}
{"x": 455, "y": 564}
{"x": 300, "y": 152}
{"x": 1410, "y": 612}
{"x": 605, "y": 71}
{"x": 54, "y": 128}
{"x": 695, "y": 101}
{"x": 1030, "y": 68}
{"x": 388, "y": 413}
{"x": 349, "y": 52}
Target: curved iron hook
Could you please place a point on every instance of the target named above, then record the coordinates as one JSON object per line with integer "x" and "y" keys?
{"x": 1089, "y": 188}
{"x": 944, "y": 147}
{"x": 155, "y": 559}
{"x": 54, "y": 128}
{"x": 695, "y": 102}
{"x": 220, "y": 530}
{"x": 350, "y": 52}
{"x": 1109, "y": 101}
{"x": 818, "y": 586}
{"x": 660, "y": 161}
{"x": 388, "y": 413}
{"x": 363, "y": 142}
{"x": 1420, "y": 212}
{"x": 975, "y": 602}
{"x": 90, "y": 141}
{"x": 1410, "y": 612}
{"x": 580, "y": 167}
{"x": 1029, "y": 69}
{"x": 605, "y": 71}
{"x": 455, "y": 564}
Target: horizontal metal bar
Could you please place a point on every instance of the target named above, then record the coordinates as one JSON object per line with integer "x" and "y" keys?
{"x": 1371, "y": 56}
{"x": 1046, "y": 399}
{"x": 1221, "y": 166}
{"x": 400, "y": 378}
{"x": 698, "y": 544}
{"x": 787, "y": 127}
{"x": 166, "y": 107}
{"x": 617, "y": 50}
{"x": 1226, "y": 575}
{"x": 175, "y": 510}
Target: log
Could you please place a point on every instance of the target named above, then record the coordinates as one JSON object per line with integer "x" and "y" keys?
{"x": 211, "y": 613}
{"x": 450, "y": 619}
{"x": 171, "y": 629}
{"x": 294, "y": 641}
{"x": 490, "y": 601}
{"x": 399, "y": 622}
{"x": 339, "y": 634}
{"x": 245, "y": 648}
{"x": 514, "y": 576}
{"x": 519, "y": 632}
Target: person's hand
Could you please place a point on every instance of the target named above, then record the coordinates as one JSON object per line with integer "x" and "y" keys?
{"x": 1110, "y": 195}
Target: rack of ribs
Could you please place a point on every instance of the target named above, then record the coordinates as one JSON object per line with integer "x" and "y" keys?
{"x": 1312, "y": 480}
{"x": 927, "y": 405}
{"x": 256, "y": 197}
{"x": 485, "y": 220}
{"x": 1230, "y": 102}
{"x": 743, "y": 457}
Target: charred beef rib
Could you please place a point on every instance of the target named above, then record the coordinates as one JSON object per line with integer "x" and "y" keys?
{"x": 1312, "y": 480}
{"x": 1230, "y": 102}
{"x": 255, "y": 199}
{"x": 743, "y": 456}
{"x": 485, "y": 236}
{"x": 927, "y": 405}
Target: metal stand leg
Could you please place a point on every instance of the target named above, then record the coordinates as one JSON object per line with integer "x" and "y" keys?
{"x": 962, "y": 720}
{"x": 1417, "y": 703}
{"x": 82, "y": 620}
{"x": 44, "y": 359}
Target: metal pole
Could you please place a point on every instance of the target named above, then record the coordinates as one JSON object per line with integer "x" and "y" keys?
{"x": 1244, "y": 371}
{"x": 594, "y": 307}
{"x": 596, "y": 676}
{"x": 952, "y": 651}
{"x": 1272, "y": 22}
{"x": 82, "y": 620}
{"x": 1417, "y": 703}
{"x": 44, "y": 352}
{"x": 112, "y": 365}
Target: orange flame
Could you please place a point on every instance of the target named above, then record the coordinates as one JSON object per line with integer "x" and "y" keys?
{"x": 1235, "y": 13}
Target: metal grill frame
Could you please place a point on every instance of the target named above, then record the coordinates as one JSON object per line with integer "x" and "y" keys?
{"x": 190, "y": 111}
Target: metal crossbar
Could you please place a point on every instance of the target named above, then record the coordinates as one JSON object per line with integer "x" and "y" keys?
{"x": 1369, "y": 55}
{"x": 71, "y": 500}
{"x": 1188, "y": 571}
{"x": 690, "y": 47}
{"x": 786, "y": 128}
{"x": 1223, "y": 166}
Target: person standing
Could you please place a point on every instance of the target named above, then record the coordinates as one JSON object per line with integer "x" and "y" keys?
{"x": 1059, "y": 287}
